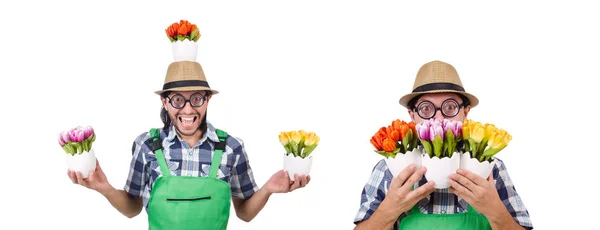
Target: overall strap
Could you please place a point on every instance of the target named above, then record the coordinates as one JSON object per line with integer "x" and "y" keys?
{"x": 156, "y": 147}
{"x": 219, "y": 148}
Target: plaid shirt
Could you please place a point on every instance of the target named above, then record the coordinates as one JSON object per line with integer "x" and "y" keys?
{"x": 185, "y": 161}
{"x": 440, "y": 201}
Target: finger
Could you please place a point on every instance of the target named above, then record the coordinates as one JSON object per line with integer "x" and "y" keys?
{"x": 304, "y": 181}
{"x": 460, "y": 190}
{"x": 422, "y": 191}
{"x": 413, "y": 179}
{"x": 307, "y": 179}
{"x": 403, "y": 176}
{"x": 296, "y": 183}
{"x": 472, "y": 176}
{"x": 465, "y": 182}
{"x": 81, "y": 181}
{"x": 98, "y": 165}
{"x": 72, "y": 176}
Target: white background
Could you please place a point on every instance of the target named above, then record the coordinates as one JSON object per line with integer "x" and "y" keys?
{"x": 335, "y": 68}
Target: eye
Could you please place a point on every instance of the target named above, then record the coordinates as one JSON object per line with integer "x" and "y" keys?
{"x": 197, "y": 99}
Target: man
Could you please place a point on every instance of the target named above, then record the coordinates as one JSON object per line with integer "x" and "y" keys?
{"x": 386, "y": 201}
{"x": 186, "y": 173}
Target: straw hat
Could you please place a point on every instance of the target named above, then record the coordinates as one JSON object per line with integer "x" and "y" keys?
{"x": 437, "y": 77}
{"x": 185, "y": 76}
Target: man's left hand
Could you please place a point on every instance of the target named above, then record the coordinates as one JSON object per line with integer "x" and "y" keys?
{"x": 480, "y": 193}
{"x": 281, "y": 183}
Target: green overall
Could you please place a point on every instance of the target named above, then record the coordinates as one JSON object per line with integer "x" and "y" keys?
{"x": 185, "y": 203}
{"x": 469, "y": 220}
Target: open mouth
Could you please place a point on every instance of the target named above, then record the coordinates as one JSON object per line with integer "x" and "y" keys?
{"x": 187, "y": 121}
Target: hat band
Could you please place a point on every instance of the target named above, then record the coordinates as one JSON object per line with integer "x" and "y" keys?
{"x": 438, "y": 86}
{"x": 184, "y": 83}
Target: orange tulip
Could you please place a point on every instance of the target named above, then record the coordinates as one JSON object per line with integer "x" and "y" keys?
{"x": 394, "y": 135}
{"x": 172, "y": 30}
{"x": 389, "y": 145}
{"x": 377, "y": 143}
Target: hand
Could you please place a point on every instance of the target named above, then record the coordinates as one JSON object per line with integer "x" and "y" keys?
{"x": 96, "y": 180}
{"x": 400, "y": 197}
{"x": 280, "y": 182}
{"x": 480, "y": 193}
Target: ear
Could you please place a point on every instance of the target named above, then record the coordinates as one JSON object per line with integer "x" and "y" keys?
{"x": 411, "y": 114}
{"x": 466, "y": 110}
{"x": 164, "y": 102}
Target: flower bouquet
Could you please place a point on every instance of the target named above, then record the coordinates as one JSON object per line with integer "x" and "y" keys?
{"x": 397, "y": 143}
{"x": 77, "y": 143}
{"x": 481, "y": 143}
{"x": 440, "y": 138}
{"x": 298, "y": 146}
{"x": 184, "y": 37}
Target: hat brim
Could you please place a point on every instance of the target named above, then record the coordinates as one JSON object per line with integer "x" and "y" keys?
{"x": 188, "y": 88}
{"x": 473, "y": 101}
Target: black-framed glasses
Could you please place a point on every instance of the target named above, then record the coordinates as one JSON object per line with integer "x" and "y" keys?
{"x": 427, "y": 110}
{"x": 178, "y": 101}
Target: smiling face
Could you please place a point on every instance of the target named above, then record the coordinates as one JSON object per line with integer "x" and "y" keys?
{"x": 186, "y": 118}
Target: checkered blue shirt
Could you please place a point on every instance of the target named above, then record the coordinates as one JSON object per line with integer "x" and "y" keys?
{"x": 440, "y": 201}
{"x": 183, "y": 160}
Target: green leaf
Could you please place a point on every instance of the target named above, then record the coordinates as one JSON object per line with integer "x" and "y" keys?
{"x": 194, "y": 33}
{"x": 406, "y": 140}
{"x": 171, "y": 38}
{"x": 450, "y": 143}
{"x": 427, "y": 147}
{"x": 180, "y": 38}
{"x": 437, "y": 146}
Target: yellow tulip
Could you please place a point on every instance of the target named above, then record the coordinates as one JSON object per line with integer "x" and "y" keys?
{"x": 311, "y": 139}
{"x": 499, "y": 139}
{"x": 303, "y": 134}
{"x": 296, "y": 137}
{"x": 283, "y": 138}
{"x": 477, "y": 132}
{"x": 489, "y": 129}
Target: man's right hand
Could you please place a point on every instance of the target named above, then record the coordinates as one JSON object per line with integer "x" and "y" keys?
{"x": 96, "y": 180}
{"x": 400, "y": 198}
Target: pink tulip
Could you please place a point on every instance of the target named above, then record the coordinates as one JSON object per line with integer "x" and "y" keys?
{"x": 436, "y": 131}
{"x": 76, "y": 134}
{"x": 87, "y": 132}
{"x": 63, "y": 138}
{"x": 423, "y": 130}
{"x": 455, "y": 126}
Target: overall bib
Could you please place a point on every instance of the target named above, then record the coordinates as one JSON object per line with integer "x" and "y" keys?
{"x": 470, "y": 220}
{"x": 186, "y": 203}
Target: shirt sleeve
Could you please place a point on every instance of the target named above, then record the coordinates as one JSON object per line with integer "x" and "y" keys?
{"x": 510, "y": 198}
{"x": 138, "y": 171}
{"x": 374, "y": 191}
{"x": 241, "y": 180}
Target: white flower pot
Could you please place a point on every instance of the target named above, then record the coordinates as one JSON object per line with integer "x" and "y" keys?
{"x": 84, "y": 162}
{"x": 483, "y": 169}
{"x": 296, "y": 165}
{"x": 439, "y": 170}
{"x": 401, "y": 161}
{"x": 185, "y": 50}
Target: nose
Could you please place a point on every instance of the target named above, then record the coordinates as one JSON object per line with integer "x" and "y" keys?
{"x": 438, "y": 114}
{"x": 187, "y": 108}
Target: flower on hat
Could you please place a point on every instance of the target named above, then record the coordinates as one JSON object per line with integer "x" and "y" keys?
{"x": 183, "y": 30}
{"x": 299, "y": 143}
{"x": 77, "y": 140}
{"x": 398, "y": 137}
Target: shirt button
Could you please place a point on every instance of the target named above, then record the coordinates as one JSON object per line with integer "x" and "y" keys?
{"x": 191, "y": 152}
{"x": 190, "y": 174}
{"x": 443, "y": 211}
